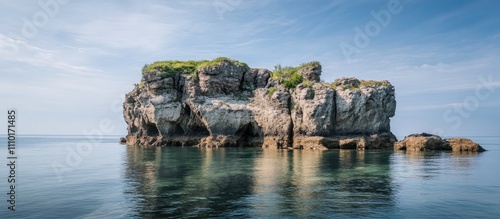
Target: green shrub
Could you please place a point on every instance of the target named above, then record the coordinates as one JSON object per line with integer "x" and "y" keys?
{"x": 313, "y": 64}
{"x": 172, "y": 68}
{"x": 144, "y": 68}
{"x": 288, "y": 76}
{"x": 140, "y": 85}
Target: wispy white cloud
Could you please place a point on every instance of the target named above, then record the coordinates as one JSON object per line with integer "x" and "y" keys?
{"x": 125, "y": 31}
{"x": 22, "y": 52}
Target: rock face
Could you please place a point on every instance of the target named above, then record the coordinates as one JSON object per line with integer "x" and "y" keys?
{"x": 424, "y": 142}
{"x": 311, "y": 73}
{"x": 272, "y": 117}
{"x": 365, "y": 110}
{"x": 227, "y": 104}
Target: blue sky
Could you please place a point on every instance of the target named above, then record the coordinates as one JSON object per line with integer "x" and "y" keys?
{"x": 67, "y": 66}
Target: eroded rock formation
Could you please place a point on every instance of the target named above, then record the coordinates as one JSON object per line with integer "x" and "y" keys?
{"x": 425, "y": 142}
{"x": 226, "y": 103}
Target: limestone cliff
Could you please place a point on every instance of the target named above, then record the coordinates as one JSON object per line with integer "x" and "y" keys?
{"x": 223, "y": 102}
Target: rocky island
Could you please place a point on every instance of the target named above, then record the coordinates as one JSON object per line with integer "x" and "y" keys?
{"x": 225, "y": 103}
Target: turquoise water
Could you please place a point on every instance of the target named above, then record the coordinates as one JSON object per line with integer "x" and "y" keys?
{"x": 102, "y": 179}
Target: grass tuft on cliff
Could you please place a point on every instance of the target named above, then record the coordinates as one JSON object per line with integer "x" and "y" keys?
{"x": 176, "y": 67}
{"x": 371, "y": 83}
{"x": 219, "y": 60}
{"x": 172, "y": 67}
{"x": 313, "y": 64}
{"x": 288, "y": 76}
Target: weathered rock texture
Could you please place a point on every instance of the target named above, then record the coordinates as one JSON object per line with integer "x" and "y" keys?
{"x": 233, "y": 105}
{"x": 365, "y": 110}
{"x": 424, "y": 142}
{"x": 464, "y": 144}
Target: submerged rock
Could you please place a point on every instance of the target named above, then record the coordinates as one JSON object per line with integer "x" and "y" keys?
{"x": 224, "y": 103}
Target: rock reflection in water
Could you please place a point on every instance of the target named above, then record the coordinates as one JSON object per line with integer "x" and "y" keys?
{"x": 359, "y": 183}
{"x": 187, "y": 182}
{"x": 465, "y": 159}
{"x": 433, "y": 164}
{"x": 205, "y": 182}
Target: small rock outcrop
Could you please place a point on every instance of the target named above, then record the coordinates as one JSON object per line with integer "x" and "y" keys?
{"x": 123, "y": 140}
{"x": 311, "y": 73}
{"x": 464, "y": 144}
{"x": 425, "y": 142}
{"x": 225, "y": 103}
{"x": 422, "y": 142}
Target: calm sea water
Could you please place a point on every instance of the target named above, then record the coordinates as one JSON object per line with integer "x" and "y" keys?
{"x": 72, "y": 177}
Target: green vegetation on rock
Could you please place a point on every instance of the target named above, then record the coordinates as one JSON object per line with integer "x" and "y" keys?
{"x": 288, "y": 76}
{"x": 362, "y": 83}
{"x": 140, "y": 85}
{"x": 371, "y": 83}
{"x": 176, "y": 67}
{"x": 344, "y": 87}
{"x": 313, "y": 64}
{"x": 172, "y": 68}
{"x": 219, "y": 60}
